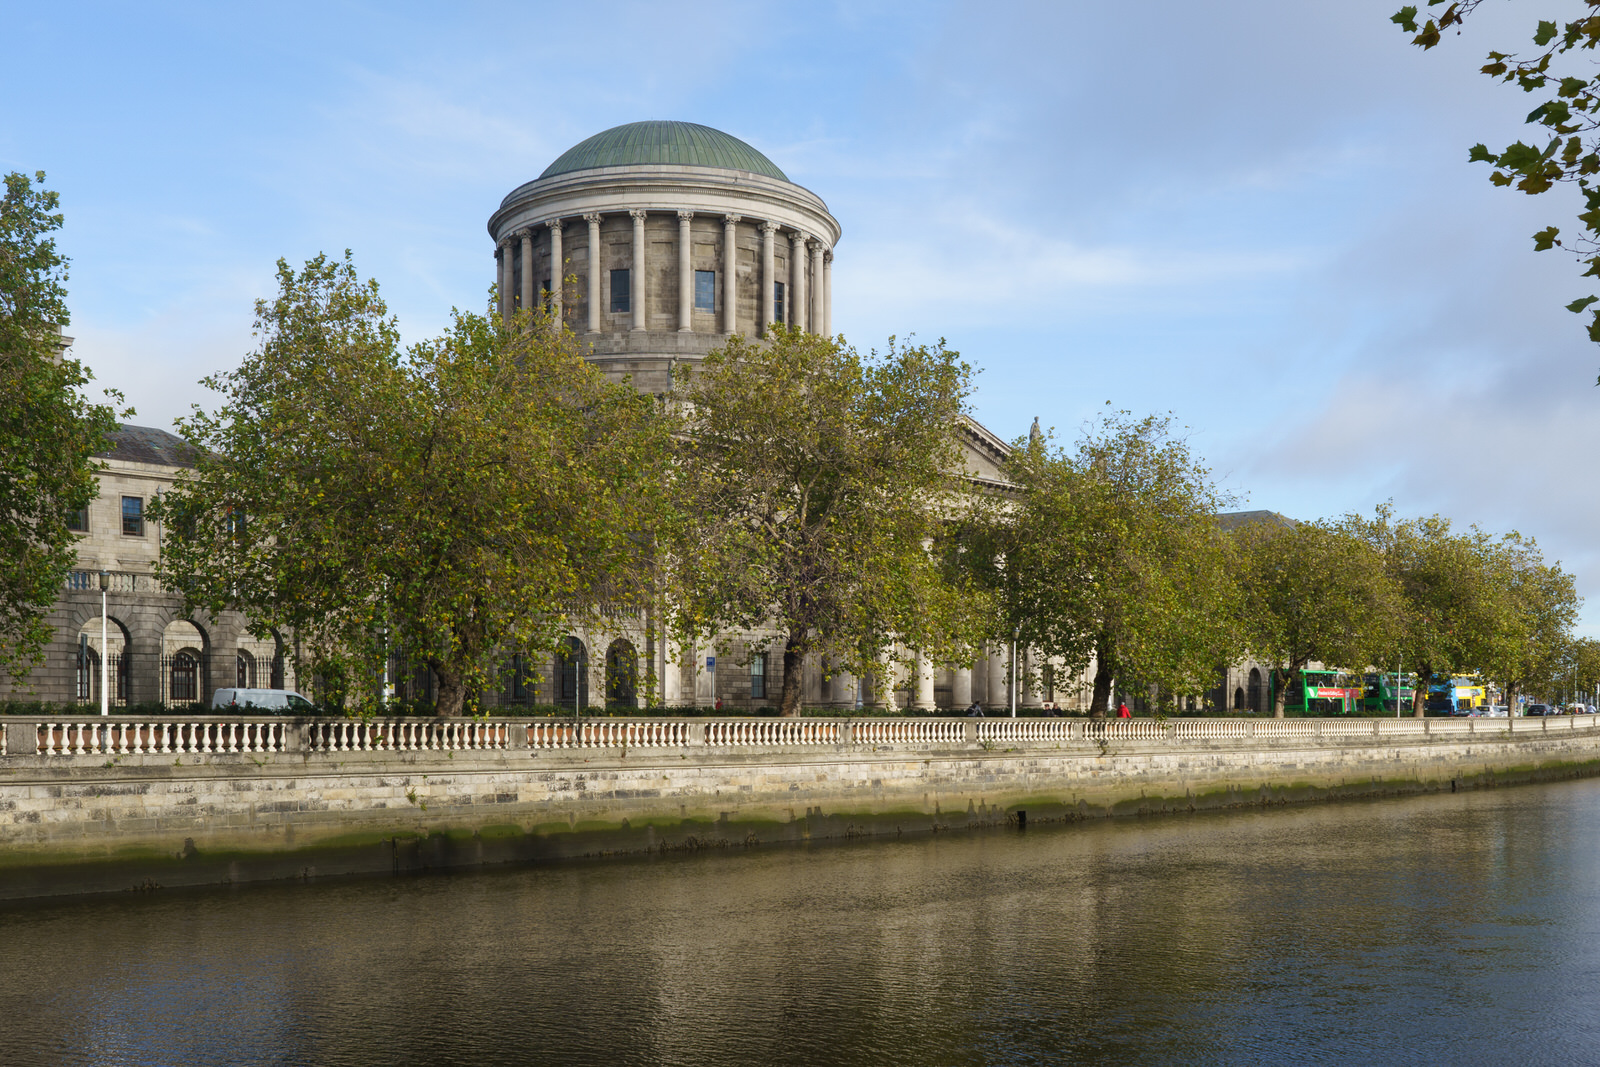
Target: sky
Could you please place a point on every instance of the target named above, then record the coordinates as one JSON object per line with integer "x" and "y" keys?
{"x": 1255, "y": 215}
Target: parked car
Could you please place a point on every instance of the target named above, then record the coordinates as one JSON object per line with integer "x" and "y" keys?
{"x": 1493, "y": 711}
{"x": 1538, "y": 710}
{"x": 263, "y": 701}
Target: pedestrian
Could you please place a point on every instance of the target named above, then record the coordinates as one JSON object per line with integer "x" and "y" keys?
{"x": 975, "y": 711}
{"x": 1123, "y": 712}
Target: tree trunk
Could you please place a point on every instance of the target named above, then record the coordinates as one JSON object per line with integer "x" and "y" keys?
{"x": 794, "y": 661}
{"x": 1419, "y": 695}
{"x": 452, "y": 694}
{"x": 1101, "y": 702}
{"x": 1280, "y": 692}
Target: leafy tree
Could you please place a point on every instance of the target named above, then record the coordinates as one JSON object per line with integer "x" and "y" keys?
{"x": 1583, "y": 653}
{"x": 451, "y": 503}
{"x": 1311, "y": 591}
{"x": 1568, "y": 110}
{"x": 49, "y": 431}
{"x": 1111, "y": 555}
{"x": 817, "y": 480}
{"x": 1533, "y": 650}
{"x": 1457, "y": 615}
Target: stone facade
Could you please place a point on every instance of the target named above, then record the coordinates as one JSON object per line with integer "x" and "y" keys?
{"x": 158, "y": 652}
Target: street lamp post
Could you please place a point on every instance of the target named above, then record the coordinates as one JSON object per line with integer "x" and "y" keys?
{"x": 105, "y": 650}
{"x": 1014, "y": 635}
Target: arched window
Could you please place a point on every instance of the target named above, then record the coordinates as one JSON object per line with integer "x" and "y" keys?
{"x": 1238, "y": 699}
{"x": 245, "y": 670}
{"x": 622, "y": 675}
{"x": 1255, "y": 690}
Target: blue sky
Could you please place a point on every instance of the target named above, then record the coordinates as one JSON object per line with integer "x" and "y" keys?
{"x": 1256, "y": 215}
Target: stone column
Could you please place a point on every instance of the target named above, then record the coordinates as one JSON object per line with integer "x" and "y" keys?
{"x": 527, "y": 268}
{"x": 816, "y": 316}
{"x": 922, "y": 695}
{"x": 504, "y": 277}
{"x": 1029, "y": 695}
{"x": 685, "y": 274}
{"x": 769, "y": 275}
{"x": 999, "y": 696}
{"x": 844, "y": 690}
{"x": 636, "y": 272}
{"x": 797, "y": 281}
{"x": 730, "y": 274}
{"x": 827, "y": 305}
{"x": 961, "y": 692}
{"x": 672, "y": 674}
{"x": 558, "y": 271}
{"x": 593, "y": 219}
{"x": 883, "y": 682}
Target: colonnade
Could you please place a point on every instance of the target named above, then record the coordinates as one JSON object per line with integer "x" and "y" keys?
{"x": 808, "y": 285}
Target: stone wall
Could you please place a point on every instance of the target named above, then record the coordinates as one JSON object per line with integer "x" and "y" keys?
{"x": 97, "y": 822}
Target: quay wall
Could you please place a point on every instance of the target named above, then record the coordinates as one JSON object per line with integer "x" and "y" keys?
{"x": 90, "y": 807}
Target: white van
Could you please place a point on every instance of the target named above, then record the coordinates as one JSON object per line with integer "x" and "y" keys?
{"x": 261, "y": 701}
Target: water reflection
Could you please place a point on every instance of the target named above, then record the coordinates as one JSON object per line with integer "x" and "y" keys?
{"x": 1452, "y": 928}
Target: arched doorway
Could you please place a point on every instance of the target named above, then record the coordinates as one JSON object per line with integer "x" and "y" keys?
{"x": 87, "y": 662}
{"x": 1255, "y": 690}
{"x": 245, "y": 670}
{"x": 183, "y": 663}
{"x": 622, "y": 675}
{"x": 1238, "y": 699}
{"x": 571, "y": 674}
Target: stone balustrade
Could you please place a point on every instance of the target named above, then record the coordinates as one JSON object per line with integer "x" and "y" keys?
{"x": 95, "y": 738}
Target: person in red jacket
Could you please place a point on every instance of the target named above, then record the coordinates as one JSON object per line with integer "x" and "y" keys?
{"x": 1123, "y": 712}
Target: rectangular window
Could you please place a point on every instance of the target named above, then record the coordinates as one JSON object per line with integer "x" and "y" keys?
{"x": 758, "y": 676}
{"x": 78, "y": 521}
{"x": 133, "y": 516}
{"x": 705, "y": 290}
{"x": 777, "y": 302}
{"x": 620, "y": 291}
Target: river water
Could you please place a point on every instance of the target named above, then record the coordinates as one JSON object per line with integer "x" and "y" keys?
{"x": 1448, "y": 929}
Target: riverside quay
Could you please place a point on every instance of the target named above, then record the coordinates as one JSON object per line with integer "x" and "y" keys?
{"x": 94, "y": 804}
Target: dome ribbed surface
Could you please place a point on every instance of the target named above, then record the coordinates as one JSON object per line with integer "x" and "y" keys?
{"x": 686, "y": 144}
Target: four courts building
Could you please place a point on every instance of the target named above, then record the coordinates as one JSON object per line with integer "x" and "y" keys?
{"x": 655, "y": 242}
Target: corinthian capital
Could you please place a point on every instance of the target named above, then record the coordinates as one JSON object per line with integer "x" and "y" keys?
{"x": 731, "y": 219}
{"x": 593, "y": 216}
{"x": 638, "y": 213}
{"x": 685, "y": 215}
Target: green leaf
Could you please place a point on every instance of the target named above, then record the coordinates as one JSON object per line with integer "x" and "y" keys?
{"x": 1479, "y": 153}
{"x": 1546, "y": 238}
{"x": 1546, "y": 33}
{"x": 1578, "y": 305}
{"x": 1405, "y": 18}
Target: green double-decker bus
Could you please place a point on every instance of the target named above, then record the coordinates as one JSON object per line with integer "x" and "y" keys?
{"x": 1323, "y": 693}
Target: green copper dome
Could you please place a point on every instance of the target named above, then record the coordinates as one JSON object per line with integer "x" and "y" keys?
{"x": 685, "y": 144}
